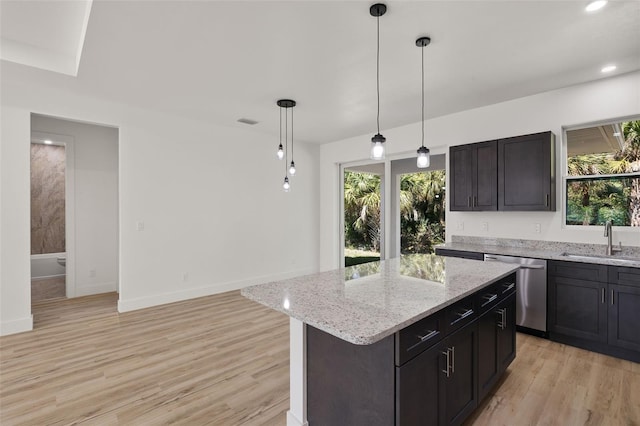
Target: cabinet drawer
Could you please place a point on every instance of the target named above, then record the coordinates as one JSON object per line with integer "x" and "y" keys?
{"x": 418, "y": 337}
{"x": 626, "y": 276}
{"x": 495, "y": 293}
{"x": 578, "y": 271}
{"x": 460, "y": 314}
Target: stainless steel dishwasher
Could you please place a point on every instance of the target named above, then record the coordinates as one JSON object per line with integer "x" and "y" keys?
{"x": 531, "y": 294}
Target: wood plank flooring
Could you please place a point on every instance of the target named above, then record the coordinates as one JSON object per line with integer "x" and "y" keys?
{"x": 224, "y": 360}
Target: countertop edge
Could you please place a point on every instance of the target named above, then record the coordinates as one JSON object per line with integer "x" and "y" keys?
{"x": 370, "y": 339}
{"x": 536, "y": 254}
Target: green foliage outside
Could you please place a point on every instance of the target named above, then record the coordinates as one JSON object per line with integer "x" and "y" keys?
{"x": 422, "y": 209}
{"x": 593, "y": 201}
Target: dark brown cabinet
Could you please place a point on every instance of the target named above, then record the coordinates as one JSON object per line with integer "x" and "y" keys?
{"x": 512, "y": 174}
{"x": 526, "y": 172}
{"x": 474, "y": 177}
{"x": 624, "y": 308}
{"x": 595, "y": 307}
{"x": 496, "y": 343}
{"x": 424, "y": 374}
{"x": 458, "y": 253}
{"x": 460, "y": 389}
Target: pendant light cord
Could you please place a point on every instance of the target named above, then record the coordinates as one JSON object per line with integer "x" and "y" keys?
{"x": 286, "y": 143}
{"x": 422, "y": 96}
{"x": 292, "y": 134}
{"x": 378, "y": 71}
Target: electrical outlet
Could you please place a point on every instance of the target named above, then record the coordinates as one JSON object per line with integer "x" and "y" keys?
{"x": 537, "y": 228}
{"x": 461, "y": 226}
{"x": 139, "y": 226}
{"x": 92, "y": 273}
{"x": 485, "y": 226}
{"x": 185, "y": 277}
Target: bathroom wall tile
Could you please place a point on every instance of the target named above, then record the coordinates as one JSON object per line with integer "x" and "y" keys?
{"x": 47, "y": 199}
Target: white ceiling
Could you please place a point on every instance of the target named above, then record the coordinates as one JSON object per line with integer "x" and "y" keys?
{"x": 223, "y": 60}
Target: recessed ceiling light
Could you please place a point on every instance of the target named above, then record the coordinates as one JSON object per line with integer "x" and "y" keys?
{"x": 608, "y": 68}
{"x": 48, "y": 142}
{"x": 595, "y": 5}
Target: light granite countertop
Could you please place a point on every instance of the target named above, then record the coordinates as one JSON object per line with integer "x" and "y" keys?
{"x": 549, "y": 250}
{"x": 365, "y": 303}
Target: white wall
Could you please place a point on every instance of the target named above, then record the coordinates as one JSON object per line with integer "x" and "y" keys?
{"x": 210, "y": 198}
{"x": 95, "y": 162}
{"x": 604, "y": 99}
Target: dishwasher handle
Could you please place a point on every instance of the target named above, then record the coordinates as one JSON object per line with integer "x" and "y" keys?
{"x": 523, "y": 266}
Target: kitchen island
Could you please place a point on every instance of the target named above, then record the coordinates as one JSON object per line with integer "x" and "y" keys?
{"x": 364, "y": 339}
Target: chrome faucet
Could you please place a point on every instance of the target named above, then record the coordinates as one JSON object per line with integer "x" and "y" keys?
{"x": 608, "y": 232}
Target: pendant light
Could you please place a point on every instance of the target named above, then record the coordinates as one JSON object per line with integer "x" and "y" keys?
{"x": 377, "y": 141}
{"x": 423, "y": 152}
{"x": 286, "y": 104}
{"x": 280, "y": 152}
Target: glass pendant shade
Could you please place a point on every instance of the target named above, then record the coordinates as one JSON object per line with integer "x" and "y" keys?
{"x": 424, "y": 159}
{"x": 286, "y": 185}
{"x": 280, "y": 152}
{"x": 377, "y": 147}
{"x": 292, "y": 168}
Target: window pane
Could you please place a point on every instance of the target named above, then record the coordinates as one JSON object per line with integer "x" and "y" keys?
{"x": 597, "y": 153}
{"x": 594, "y": 201}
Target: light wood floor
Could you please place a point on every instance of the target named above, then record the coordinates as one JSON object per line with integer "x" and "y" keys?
{"x": 223, "y": 360}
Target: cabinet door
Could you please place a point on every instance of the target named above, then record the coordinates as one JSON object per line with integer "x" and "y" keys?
{"x": 496, "y": 343}
{"x": 624, "y": 316}
{"x": 506, "y": 333}
{"x": 461, "y": 396}
{"x": 419, "y": 388}
{"x": 577, "y": 308}
{"x": 485, "y": 176}
{"x": 526, "y": 172}
{"x": 487, "y": 351}
{"x": 460, "y": 178}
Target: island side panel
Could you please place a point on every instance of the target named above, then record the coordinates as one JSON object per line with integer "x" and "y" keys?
{"x": 349, "y": 384}
{"x": 297, "y": 414}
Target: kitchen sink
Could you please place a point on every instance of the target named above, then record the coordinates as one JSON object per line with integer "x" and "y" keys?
{"x": 597, "y": 256}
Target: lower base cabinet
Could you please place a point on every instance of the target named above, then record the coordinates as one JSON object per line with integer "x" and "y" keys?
{"x": 439, "y": 385}
{"x": 595, "y": 307}
{"x": 496, "y": 344}
{"x": 438, "y": 378}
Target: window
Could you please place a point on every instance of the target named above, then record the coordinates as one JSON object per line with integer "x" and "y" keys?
{"x": 603, "y": 174}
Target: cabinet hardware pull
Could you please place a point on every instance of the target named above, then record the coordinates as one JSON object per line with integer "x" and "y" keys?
{"x": 429, "y": 335}
{"x": 612, "y": 297}
{"x": 508, "y": 287}
{"x": 602, "y": 298}
{"x": 488, "y": 298}
{"x": 504, "y": 318}
{"x": 490, "y": 258}
{"x": 469, "y": 202}
{"x": 453, "y": 359}
{"x": 446, "y": 353}
{"x": 502, "y": 321}
{"x": 462, "y": 315}
{"x": 475, "y": 201}
{"x": 531, "y": 266}
{"x": 547, "y": 200}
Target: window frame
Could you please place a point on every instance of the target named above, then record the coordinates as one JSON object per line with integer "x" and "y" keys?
{"x": 566, "y": 178}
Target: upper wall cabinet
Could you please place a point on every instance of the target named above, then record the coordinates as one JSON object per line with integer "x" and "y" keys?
{"x": 526, "y": 173}
{"x": 513, "y": 174}
{"x": 474, "y": 176}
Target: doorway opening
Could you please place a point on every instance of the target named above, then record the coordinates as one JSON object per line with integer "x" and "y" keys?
{"x": 363, "y": 213}
{"x": 74, "y": 209}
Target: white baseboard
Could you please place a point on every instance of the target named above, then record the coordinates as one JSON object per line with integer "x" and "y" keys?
{"x": 292, "y": 420}
{"x": 126, "y": 305}
{"x": 87, "y": 290}
{"x": 16, "y": 326}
